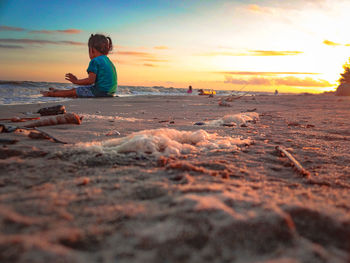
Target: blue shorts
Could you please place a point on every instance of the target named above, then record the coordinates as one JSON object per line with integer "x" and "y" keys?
{"x": 85, "y": 92}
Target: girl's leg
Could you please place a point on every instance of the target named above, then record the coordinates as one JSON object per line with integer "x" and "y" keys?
{"x": 72, "y": 93}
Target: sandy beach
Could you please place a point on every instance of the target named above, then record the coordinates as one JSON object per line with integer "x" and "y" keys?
{"x": 198, "y": 182}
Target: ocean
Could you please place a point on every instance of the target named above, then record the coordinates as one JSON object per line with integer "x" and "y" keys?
{"x": 28, "y": 92}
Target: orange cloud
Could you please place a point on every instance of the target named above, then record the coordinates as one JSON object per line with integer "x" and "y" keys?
{"x": 286, "y": 81}
{"x": 254, "y": 53}
{"x": 330, "y": 43}
{"x": 258, "y": 9}
{"x": 65, "y": 31}
{"x": 149, "y": 65}
{"x": 10, "y": 28}
{"x": 242, "y": 73}
{"x": 39, "y": 41}
{"x": 135, "y": 53}
{"x": 161, "y": 47}
{"x": 155, "y": 60}
{"x": 306, "y": 82}
{"x": 274, "y": 53}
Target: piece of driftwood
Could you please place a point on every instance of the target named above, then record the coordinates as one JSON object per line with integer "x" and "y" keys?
{"x": 68, "y": 118}
{"x": 297, "y": 166}
{"x": 19, "y": 119}
{"x": 44, "y": 135}
{"x": 53, "y": 110}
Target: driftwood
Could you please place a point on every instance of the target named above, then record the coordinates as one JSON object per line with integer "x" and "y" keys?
{"x": 68, "y": 118}
{"x": 44, "y": 135}
{"x": 35, "y": 133}
{"x": 297, "y": 166}
{"x": 19, "y": 119}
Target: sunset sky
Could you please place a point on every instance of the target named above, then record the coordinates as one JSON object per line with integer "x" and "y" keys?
{"x": 292, "y": 46}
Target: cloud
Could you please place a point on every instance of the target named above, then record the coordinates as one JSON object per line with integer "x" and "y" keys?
{"x": 155, "y": 60}
{"x": 334, "y": 44}
{"x": 254, "y": 53}
{"x": 149, "y": 65}
{"x": 330, "y": 43}
{"x": 257, "y": 73}
{"x": 286, "y": 81}
{"x": 148, "y": 59}
{"x": 39, "y": 41}
{"x": 10, "y": 28}
{"x": 306, "y": 82}
{"x": 135, "y": 53}
{"x": 61, "y": 31}
{"x": 161, "y": 47}
{"x": 274, "y": 53}
{"x": 10, "y": 46}
{"x": 259, "y": 9}
{"x": 65, "y": 31}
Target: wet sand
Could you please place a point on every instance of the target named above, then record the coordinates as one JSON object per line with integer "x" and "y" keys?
{"x": 246, "y": 204}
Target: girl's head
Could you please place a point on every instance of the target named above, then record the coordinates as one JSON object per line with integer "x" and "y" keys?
{"x": 100, "y": 43}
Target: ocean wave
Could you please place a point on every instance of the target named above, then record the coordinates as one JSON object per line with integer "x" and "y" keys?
{"x": 28, "y": 92}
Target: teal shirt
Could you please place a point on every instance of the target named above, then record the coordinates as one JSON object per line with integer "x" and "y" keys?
{"x": 106, "y": 76}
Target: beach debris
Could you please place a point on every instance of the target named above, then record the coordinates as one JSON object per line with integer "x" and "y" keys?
{"x": 251, "y": 110}
{"x": 68, "y": 118}
{"x": 19, "y": 119}
{"x": 235, "y": 119}
{"x": 53, "y": 110}
{"x": 84, "y": 181}
{"x": 113, "y": 133}
{"x": 234, "y": 97}
{"x": 229, "y": 124}
{"x": 224, "y": 104}
{"x": 8, "y": 141}
{"x": 39, "y": 134}
{"x": 297, "y": 166}
{"x": 294, "y": 124}
{"x": 7, "y": 128}
{"x": 200, "y": 123}
{"x": 310, "y": 126}
{"x": 165, "y": 142}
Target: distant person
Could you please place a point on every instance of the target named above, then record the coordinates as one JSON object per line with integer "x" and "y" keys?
{"x": 102, "y": 75}
{"x": 189, "y": 91}
{"x": 276, "y": 92}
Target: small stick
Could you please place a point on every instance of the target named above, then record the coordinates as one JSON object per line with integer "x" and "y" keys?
{"x": 49, "y": 136}
{"x": 295, "y": 163}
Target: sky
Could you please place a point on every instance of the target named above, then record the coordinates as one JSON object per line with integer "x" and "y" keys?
{"x": 261, "y": 45}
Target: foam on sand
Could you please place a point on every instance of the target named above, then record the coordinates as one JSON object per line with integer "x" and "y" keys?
{"x": 166, "y": 142}
{"x": 235, "y": 119}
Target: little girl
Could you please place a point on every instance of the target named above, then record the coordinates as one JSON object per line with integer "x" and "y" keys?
{"x": 102, "y": 78}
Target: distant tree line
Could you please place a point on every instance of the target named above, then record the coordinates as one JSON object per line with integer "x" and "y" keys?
{"x": 344, "y": 87}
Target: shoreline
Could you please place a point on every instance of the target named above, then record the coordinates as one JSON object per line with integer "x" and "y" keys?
{"x": 244, "y": 203}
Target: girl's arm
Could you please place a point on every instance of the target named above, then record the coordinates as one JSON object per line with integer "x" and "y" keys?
{"x": 87, "y": 81}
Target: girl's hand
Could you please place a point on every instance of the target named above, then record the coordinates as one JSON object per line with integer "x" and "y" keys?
{"x": 70, "y": 77}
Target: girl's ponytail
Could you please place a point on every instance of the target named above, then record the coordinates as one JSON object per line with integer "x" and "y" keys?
{"x": 110, "y": 45}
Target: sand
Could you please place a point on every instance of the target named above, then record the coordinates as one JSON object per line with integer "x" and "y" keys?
{"x": 77, "y": 202}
